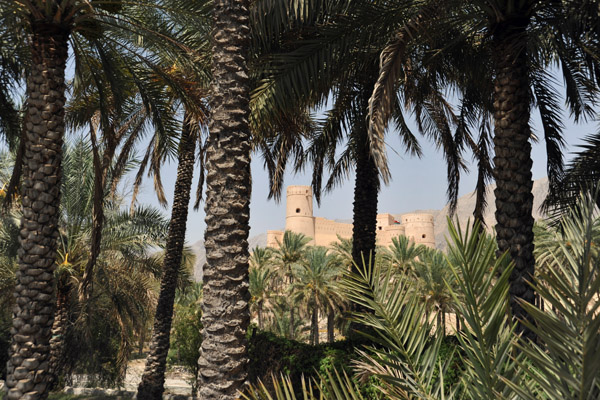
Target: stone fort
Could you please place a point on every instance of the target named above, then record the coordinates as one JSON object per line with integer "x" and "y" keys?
{"x": 299, "y": 218}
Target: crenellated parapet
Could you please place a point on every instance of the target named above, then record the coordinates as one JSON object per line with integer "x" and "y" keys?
{"x": 418, "y": 227}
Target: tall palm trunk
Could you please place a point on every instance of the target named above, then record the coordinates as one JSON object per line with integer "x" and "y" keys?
{"x": 292, "y": 316}
{"x": 101, "y": 174}
{"x": 260, "y": 316}
{"x": 330, "y": 325}
{"x": 366, "y": 190}
{"x": 514, "y": 200}
{"x": 28, "y": 367}
{"x": 225, "y": 315}
{"x": 152, "y": 384}
{"x": 59, "y": 329}
{"x": 315, "y": 325}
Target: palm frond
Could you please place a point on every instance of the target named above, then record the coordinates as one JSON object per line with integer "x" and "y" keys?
{"x": 565, "y": 361}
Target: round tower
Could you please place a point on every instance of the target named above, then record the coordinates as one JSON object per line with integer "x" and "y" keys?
{"x": 419, "y": 229}
{"x": 393, "y": 231}
{"x": 299, "y": 211}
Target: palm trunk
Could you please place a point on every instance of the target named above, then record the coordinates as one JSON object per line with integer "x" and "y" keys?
{"x": 260, "y": 316}
{"x": 225, "y": 315}
{"x": 101, "y": 174}
{"x": 366, "y": 191}
{"x": 151, "y": 386}
{"x": 28, "y": 374}
{"x": 59, "y": 330}
{"x": 514, "y": 200}
{"x": 330, "y": 324}
{"x": 366, "y": 187}
{"x": 443, "y": 323}
{"x": 315, "y": 326}
{"x": 292, "y": 316}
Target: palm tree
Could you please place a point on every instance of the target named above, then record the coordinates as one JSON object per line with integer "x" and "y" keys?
{"x": 402, "y": 255}
{"x": 260, "y": 280}
{"x": 225, "y": 314}
{"x": 435, "y": 283}
{"x": 514, "y": 37}
{"x": 340, "y": 61}
{"x": 152, "y": 383}
{"x": 44, "y": 122}
{"x": 316, "y": 285}
{"x": 581, "y": 174}
{"x": 290, "y": 252}
{"x": 51, "y": 25}
{"x": 123, "y": 281}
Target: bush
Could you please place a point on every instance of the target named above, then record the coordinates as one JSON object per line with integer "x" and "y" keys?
{"x": 271, "y": 355}
{"x": 186, "y": 330}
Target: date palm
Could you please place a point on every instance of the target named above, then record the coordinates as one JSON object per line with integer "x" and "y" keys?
{"x": 324, "y": 55}
{"x": 290, "y": 252}
{"x": 123, "y": 283}
{"x": 435, "y": 283}
{"x": 51, "y": 25}
{"x": 261, "y": 280}
{"x": 513, "y": 25}
{"x": 152, "y": 383}
{"x": 402, "y": 255}
{"x": 513, "y": 35}
{"x": 315, "y": 285}
{"x": 225, "y": 313}
{"x": 125, "y": 275}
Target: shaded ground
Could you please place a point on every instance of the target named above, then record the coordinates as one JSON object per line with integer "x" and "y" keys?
{"x": 177, "y": 383}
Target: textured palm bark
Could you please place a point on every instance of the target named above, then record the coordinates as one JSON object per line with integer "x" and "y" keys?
{"x": 315, "y": 326}
{"x": 292, "y": 330}
{"x": 366, "y": 190}
{"x": 225, "y": 314}
{"x": 366, "y": 184}
{"x": 28, "y": 374}
{"x": 59, "y": 329}
{"x": 330, "y": 325}
{"x": 512, "y": 172}
{"x": 101, "y": 175}
{"x": 153, "y": 379}
{"x": 260, "y": 316}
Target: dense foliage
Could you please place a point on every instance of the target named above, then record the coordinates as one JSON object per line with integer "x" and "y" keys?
{"x": 186, "y": 328}
{"x": 495, "y": 362}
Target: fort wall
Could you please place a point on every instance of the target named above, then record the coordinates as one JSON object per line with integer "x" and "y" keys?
{"x": 419, "y": 228}
{"x": 324, "y": 232}
{"x": 274, "y": 238}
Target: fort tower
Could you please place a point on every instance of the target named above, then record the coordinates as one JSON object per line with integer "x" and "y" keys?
{"x": 299, "y": 211}
{"x": 419, "y": 229}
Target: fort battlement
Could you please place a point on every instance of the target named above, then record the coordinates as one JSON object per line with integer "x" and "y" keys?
{"x": 324, "y": 232}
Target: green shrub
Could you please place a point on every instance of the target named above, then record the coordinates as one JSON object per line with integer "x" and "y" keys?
{"x": 271, "y": 355}
{"x": 186, "y": 330}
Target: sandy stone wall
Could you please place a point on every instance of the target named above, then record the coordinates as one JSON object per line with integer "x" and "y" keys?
{"x": 324, "y": 232}
{"x": 419, "y": 228}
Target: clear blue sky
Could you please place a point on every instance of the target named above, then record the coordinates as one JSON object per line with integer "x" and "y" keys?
{"x": 416, "y": 184}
